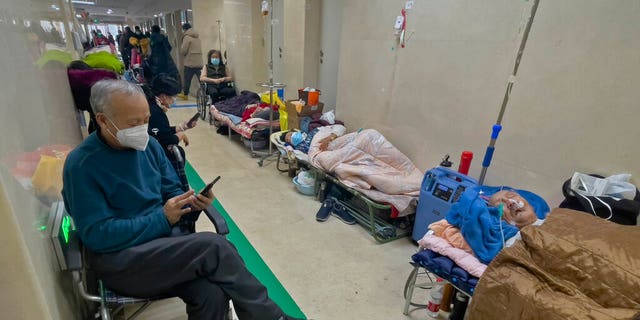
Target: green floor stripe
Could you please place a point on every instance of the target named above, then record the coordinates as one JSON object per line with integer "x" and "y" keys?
{"x": 252, "y": 259}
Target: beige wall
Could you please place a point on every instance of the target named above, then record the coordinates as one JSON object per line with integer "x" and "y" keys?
{"x": 205, "y": 14}
{"x": 574, "y": 105}
{"x": 312, "y": 39}
{"x": 37, "y": 111}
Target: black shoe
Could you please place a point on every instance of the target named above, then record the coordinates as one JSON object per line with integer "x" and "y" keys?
{"x": 325, "y": 210}
{"x": 340, "y": 211}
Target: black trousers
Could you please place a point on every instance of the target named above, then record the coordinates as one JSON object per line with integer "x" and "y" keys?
{"x": 219, "y": 92}
{"x": 188, "y": 74}
{"x": 203, "y": 269}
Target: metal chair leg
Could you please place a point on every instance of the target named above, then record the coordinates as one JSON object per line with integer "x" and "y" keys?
{"x": 104, "y": 310}
{"x": 411, "y": 283}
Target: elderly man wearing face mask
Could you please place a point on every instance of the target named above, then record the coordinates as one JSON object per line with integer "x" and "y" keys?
{"x": 124, "y": 198}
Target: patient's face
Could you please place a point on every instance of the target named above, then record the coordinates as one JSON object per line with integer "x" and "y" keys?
{"x": 520, "y": 216}
{"x": 287, "y": 137}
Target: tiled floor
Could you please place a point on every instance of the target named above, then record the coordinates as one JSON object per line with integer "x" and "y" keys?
{"x": 332, "y": 270}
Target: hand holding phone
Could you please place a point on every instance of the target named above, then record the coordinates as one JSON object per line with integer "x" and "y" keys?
{"x": 208, "y": 187}
{"x": 192, "y": 122}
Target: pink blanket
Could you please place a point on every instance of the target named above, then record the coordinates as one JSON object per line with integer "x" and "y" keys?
{"x": 465, "y": 260}
{"x": 369, "y": 163}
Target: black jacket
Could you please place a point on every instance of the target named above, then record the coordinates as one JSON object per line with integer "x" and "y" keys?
{"x": 160, "y": 59}
{"x": 159, "y": 127}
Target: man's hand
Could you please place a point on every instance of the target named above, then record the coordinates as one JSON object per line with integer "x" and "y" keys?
{"x": 183, "y": 137}
{"x": 174, "y": 207}
{"x": 201, "y": 202}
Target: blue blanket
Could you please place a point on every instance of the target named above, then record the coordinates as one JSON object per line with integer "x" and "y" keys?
{"x": 480, "y": 224}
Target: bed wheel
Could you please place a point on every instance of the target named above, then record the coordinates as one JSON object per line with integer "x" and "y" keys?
{"x": 385, "y": 232}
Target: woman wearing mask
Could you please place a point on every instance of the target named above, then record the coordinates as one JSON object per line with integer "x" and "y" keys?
{"x": 218, "y": 78}
{"x": 161, "y": 92}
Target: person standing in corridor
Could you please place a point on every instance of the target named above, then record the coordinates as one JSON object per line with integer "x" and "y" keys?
{"x": 191, "y": 50}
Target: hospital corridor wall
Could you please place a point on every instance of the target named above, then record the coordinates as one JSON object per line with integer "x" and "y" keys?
{"x": 38, "y": 118}
{"x": 574, "y": 102}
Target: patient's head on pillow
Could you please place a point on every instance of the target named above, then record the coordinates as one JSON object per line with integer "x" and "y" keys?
{"x": 294, "y": 138}
{"x": 286, "y": 137}
{"x": 516, "y": 209}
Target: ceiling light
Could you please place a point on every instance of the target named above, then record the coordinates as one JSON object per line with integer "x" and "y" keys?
{"x": 78, "y": 16}
{"x": 189, "y": 10}
{"x": 109, "y": 11}
{"x": 155, "y": 15}
{"x": 83, "y": 2}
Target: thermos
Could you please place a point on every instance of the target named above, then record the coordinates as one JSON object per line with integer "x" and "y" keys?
{"x": 459, "y": 306}
{"x": 465, "y": 162}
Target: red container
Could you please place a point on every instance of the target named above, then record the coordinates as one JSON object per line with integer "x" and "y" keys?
{"x": 465, "y": 162}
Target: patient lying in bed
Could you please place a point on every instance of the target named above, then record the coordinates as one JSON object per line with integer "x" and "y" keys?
{"x": 488, "y": 218}
{"x": 448, "y": 240}
{"x": 302, "y": 141}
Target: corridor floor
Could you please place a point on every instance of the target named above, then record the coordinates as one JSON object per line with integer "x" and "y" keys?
{"x": 330, "y": 269}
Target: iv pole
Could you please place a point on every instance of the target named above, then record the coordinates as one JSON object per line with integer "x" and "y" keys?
{"x": 219, "y": 37}
{"x": 271, "y": 85}
{"x": 486, "y": 162}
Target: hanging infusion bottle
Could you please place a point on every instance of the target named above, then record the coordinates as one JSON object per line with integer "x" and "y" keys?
{"x": 265, "y": 8}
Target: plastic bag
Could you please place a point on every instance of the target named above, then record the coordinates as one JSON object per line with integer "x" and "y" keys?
{"x": 329, "y": 117}
{"x": 306, "y": 178}
{"x": 615, "y": 186}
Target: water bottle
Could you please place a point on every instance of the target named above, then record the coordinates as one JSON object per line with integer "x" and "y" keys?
{"x": 435, "y": 297}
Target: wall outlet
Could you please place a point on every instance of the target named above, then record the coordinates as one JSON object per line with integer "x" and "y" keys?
{"x": 399, "y": 21}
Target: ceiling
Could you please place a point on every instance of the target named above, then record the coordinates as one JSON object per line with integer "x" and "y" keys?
{"x": 123, "y": 11}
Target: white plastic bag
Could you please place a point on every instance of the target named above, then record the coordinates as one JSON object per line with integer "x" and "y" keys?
{"x": 616, "y": 186}
{"x": 329, "y": 117}
{"x": 306, "y": 178}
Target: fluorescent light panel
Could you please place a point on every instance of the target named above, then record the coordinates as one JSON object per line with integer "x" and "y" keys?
{"x": 83, "y": 2}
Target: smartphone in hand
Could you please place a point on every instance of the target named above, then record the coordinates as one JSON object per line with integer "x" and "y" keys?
{"x": 209, "y": 186}
{"x": 191, "y": 123}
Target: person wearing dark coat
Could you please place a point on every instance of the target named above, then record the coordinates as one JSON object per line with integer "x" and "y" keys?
{"x": 125, "y": 46}
{"x": 160, "y": 60}
{"x": 160, "y": 93}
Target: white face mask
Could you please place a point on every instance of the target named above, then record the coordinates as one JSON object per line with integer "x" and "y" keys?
{"x": 135, "y": 138}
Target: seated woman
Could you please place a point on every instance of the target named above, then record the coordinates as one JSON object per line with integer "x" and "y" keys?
{"x": 161, "y": 92}
{"x": 218, "y": 78}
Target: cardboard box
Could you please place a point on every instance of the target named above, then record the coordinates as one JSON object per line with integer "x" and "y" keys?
{"x": 295, "y": 111}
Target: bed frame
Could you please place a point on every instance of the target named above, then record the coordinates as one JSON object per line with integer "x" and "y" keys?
{"x": 368, "y": 213}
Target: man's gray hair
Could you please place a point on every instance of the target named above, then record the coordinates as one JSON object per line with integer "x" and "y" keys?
{"x": 103, "y": 90}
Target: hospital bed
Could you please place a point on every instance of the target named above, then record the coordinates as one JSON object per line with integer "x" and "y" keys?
{"x": 250, "y": 130}
{"x": 373, "y": 216}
